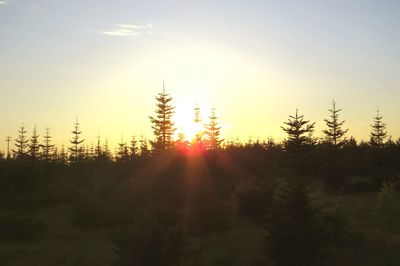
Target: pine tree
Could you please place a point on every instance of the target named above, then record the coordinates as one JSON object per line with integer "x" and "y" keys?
{"x": 293, "y": 234}
{"x": 21, "y": 143}
{"x": 197, "y": 120}
{"x": 122, "y": 152}
{"x": 76, "y": 150}
{"x": 106, "y": 154}
{"x": 92, "y": 152}
{"x": 47, "y": 147}
{"x": 299, "y": 133}
{"x": 334, "y": 134}
{"x": 34, "y": 145}
{"x": 212, "y": 132}
{"x": 133, "y": 149}
{"x": 144, "y": 147}
{"x": 63, "y": 155}
{"x": 162, "y": 124}
{"x": 378, "y": 131}
{"x": 181, "y": 143}
{"x": 98, "y": 149}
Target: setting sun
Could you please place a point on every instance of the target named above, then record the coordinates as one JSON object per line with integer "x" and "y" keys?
{"x": 190, "y": 118}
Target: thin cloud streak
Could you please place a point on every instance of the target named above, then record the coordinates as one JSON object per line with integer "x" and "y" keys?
{"x": 129, "y": 30}
{"x": 3, "y": 2}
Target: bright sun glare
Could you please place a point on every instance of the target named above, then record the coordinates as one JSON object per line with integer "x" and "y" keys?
{"x": 185, "y": 119}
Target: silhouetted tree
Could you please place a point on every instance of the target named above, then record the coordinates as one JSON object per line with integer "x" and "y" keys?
{"x": 334, "y": 134}
{"x": 212, "y": 132}
{"x": 63, "y": 157}
{"x": 293, "y": 235}
{"x": 34, "y": 145}
{"x": 47, "y": 147}
{"x": 378, "y": 131}
{"x": 197, "y": 120}
{"x": 76, "y": 150}
{"x": 133, "y": 149}
{"x": 21, "y": 143}
{"x": 106, "y": 155}
{"x": 98, "y": 149}
{"x": 123, "y": 151}
{"x": 181, "y": 143}
{"x": 162, "y": 124}
{"x": 299, "y": 133}
{"x": 144, "y": 146}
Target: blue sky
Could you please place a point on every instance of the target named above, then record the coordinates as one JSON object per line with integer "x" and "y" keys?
{"x": 256, "y": 61}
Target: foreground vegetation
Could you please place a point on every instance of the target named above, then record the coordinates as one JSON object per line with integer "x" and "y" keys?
{"x": 224, "y": 207}
{"x": 304, "y": 201}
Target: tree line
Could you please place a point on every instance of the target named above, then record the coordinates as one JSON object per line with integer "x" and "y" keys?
{"x": 299, "y": 133}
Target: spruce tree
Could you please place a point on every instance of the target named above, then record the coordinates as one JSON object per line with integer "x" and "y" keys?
{"x": 198, "y": 139}
{"x": 293, "y": 233}
{"x": 122, "y": 152}
{"x": 212, "y": 132}
{"x": 378, "y": 131}
{"x": 106, "y": 151}
{"x": 144, "y": 147}
{"x": 299, "y": 133}
{"x": 162, "y": 124}
{"x": 76, "y": 150}
{"x": 47, "y": 147}
{"x": 334, "y": 134}
{"x": 34, "y": 145}
{"x": 21, "y": 143}
{"x": 63, "y": 155}
{"x": 98, "y": 149}
{"x": 133, "y": 149}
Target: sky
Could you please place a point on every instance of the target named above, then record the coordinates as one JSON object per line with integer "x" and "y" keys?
{"x": 255, "y": 61}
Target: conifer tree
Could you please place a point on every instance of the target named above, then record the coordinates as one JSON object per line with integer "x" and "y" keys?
{"x": 294, "y": 236}
{"x": 212, "y": 132}
{"x": 76, "y": 150}
{"x": 21, "y": 143}
{"x": 144, "y": 147}
{"x": 133, "y": 149}
{"x": 197, "y": 120}
{"x": 181, "y": 143}
{"x": 63, "y": 155}
{"x": 92, "y": 152}
{"x": 378, "y": 131}
{"x": 122, "y": 153}
{"x": 34, "y": 145}
{"x": 98, "y": 149}
{"x": 162, "y": 124}
{"x": 106, "y": 154}
{"x": 299, "y": 133}
{"x": 47, "y": 147}
{"x": 334, "y": 134}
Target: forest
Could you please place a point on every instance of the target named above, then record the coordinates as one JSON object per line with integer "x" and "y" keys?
{"x": 205, "y": 202}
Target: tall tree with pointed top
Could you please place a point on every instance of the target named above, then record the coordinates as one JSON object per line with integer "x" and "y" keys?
{"x": 76, "y": 150}
{"x": 133, "y": 148}
{"x": 21, "y": 143}
{"x": 98, "y": 150}
{"x": 212, "y": 132}
{"x": 123, "y": 151}
{"x": 162, "y": 124}
{"x": 299, "y": 133}
{"x": 34, "y": 145}
{"x": 335, "y": 134}
{"x": 378, "y": 131}
{"x": 47, "y": 147}
{"x": 144, "y": 147}
{"x": 63, "y": 155}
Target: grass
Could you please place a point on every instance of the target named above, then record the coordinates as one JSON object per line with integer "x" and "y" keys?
{"x": 371, "y": 239}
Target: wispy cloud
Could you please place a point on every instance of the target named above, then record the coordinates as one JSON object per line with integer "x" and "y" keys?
{"x": 129, "y": 30}
{"x": 3, "y": 2}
